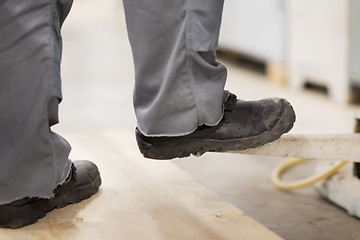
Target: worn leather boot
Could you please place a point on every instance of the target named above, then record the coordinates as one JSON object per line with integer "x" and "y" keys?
{"x": 245, "y": 124}
{"x": 83, "y": 181}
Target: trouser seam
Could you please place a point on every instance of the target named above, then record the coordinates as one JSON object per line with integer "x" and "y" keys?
{"x": 50, "y": 81}
{"x": 191, "y": 87}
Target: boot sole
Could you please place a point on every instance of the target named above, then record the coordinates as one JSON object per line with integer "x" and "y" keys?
{"x": 29, "y": 213}
{"x": 183, "y": 148}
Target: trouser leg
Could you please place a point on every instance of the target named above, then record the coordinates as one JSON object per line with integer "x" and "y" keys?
{"x": 179, "y": 85}
{"x": 33, "y": 159}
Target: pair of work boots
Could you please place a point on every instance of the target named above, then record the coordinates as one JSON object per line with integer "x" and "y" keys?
{"x": 245, "y": 124}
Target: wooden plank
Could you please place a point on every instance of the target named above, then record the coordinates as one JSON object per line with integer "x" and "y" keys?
{"x": 328, "y": 147}
{"x": 141, "y": 199}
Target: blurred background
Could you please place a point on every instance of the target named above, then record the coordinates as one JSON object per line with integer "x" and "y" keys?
{"x": 307, "y": 51}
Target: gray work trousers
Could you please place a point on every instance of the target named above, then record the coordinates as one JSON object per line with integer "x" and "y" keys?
{"x": 179, "y": 84}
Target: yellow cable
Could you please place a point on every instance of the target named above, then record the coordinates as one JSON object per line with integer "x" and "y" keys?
{"x": 282, "y": 167}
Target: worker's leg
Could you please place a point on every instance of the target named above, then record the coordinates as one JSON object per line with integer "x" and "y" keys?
{"x": 179, "y": 99}
{"x": 179, "y": 83}
{"x": 33, "y": 159}
{"x": 36, "y": 175}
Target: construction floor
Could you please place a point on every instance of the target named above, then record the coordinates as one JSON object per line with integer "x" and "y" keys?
{"x": 97, "y": 88}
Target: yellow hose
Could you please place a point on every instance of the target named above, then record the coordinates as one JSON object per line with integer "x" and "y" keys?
{"x": 282, "y": 167}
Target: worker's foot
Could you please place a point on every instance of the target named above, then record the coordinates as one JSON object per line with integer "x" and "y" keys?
{"x": 83, "y": 181}
{"x": 245, "y": 124}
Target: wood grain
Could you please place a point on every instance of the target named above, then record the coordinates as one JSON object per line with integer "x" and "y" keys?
{"x": 141, "y": 199}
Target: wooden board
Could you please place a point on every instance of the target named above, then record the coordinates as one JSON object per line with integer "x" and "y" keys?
{"x": 332, "y": 147}
{"x": 141, "y": 199}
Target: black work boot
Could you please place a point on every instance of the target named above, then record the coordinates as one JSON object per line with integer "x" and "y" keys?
{"x": 83, "y": 181}
{"x": 245, "y": 124}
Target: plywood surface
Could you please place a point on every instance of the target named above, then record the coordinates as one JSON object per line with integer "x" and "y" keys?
{"x": 140, "y": 199}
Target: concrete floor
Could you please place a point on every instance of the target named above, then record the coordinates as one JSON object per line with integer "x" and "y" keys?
{"x": 97, "y": 87}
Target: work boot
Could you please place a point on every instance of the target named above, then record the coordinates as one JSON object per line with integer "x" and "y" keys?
{"x": 245, "y": 124}
{"x": 83, "y": 181}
